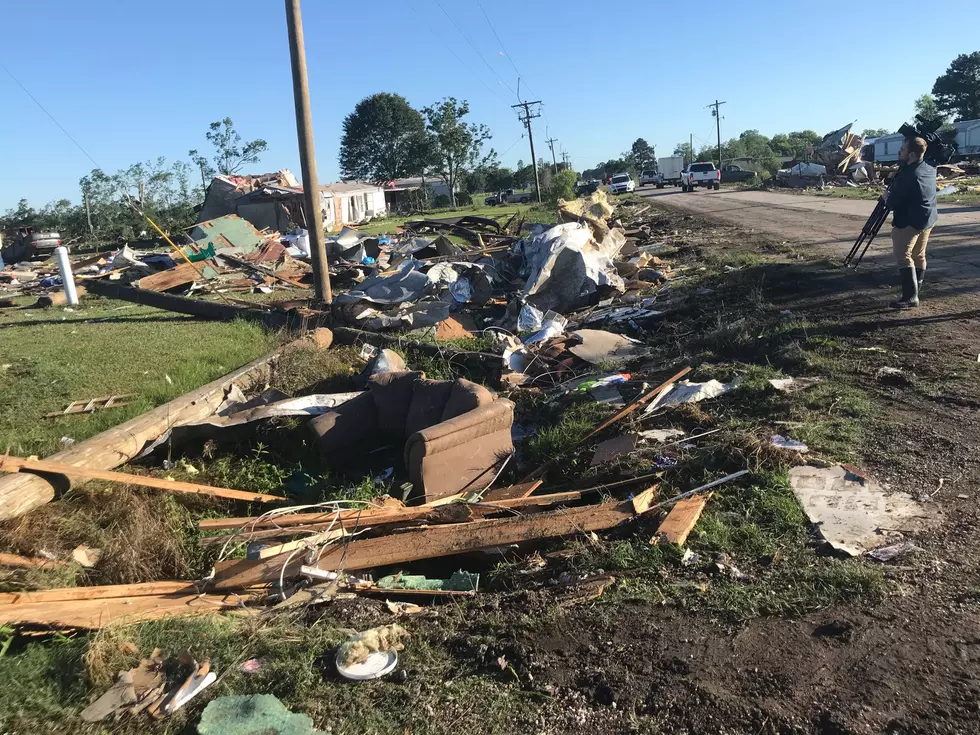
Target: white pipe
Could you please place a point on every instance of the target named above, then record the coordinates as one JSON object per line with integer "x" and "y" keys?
{"x": 64, "y": 267}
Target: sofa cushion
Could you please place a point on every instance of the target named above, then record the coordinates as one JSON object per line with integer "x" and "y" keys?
{"x": 428, "y": 402}
{"x": 465, "y": 397}
{"x": 392, "y": 393}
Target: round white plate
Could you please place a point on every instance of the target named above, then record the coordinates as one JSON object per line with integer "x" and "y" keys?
{"x": 376, "y": 666}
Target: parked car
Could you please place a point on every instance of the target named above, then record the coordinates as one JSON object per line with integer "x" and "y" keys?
{"x": 621, "y": 184}
{"x": 585, "y": 188}
{"x": 731, "y": 172}
{"x": 700, "y": 174}
{"x": 27, "y": 244}
{"x": 651, "y": 178}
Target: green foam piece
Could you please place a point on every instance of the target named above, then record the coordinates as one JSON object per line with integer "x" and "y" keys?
{"x": 252, "y": 714}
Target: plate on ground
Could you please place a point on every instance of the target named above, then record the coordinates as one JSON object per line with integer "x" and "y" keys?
{"x": 377, "y": 665}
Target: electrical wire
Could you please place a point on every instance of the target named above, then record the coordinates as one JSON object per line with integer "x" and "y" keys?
{"x": 520, "y": 77}
{"x": 512, "y": 145}
{"x": 435, "y": 35}
{"x": 466, "y": 38}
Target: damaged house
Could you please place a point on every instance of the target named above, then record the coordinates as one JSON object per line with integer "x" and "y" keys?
{"x": 274, "y": 200}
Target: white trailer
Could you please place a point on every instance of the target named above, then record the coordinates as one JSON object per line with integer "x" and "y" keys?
{"x": 670, "y": 168}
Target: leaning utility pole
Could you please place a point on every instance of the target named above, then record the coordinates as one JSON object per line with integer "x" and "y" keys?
{"x": 551, "y": 144}
{"x": 526, "y": 119}
{"x": 307, "y": 157}
{"x": 690, "y": 147}
{"x": 716, "y": 104}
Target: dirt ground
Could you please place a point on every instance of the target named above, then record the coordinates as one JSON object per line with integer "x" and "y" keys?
{"x": 909, "y": 664}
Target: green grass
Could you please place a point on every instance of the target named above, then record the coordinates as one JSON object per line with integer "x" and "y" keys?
{"x": 49, "y": 358}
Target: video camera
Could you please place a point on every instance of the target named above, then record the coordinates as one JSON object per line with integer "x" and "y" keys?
{"x": 938, "y": 149}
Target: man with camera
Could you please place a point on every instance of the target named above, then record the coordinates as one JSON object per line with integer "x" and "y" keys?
{"x": 912, "y": 200}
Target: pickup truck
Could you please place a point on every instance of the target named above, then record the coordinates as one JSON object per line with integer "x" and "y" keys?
{"x": 509, "y": 197}
{"x": 700, "y": 174}
{"x": 651, "y": 177}
{"x": 731, "y": 172}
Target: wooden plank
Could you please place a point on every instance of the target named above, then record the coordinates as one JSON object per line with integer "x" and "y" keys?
{"x": 29, "y": 562}
{"x": 643, "y": 501}
{"x": 16, "y": 464}
{"x": 66, "y": 594}
{"x": 679, "y": 523}
{"x": 21, "y": 492}
{"x": 91, "y": 405}
{"x": 511, "y": 491}
{"x": 179, "y": 275}
{"x": 355, "y": 519}
{"x": 97, "y": 613}
{"x": 429, "y": 542}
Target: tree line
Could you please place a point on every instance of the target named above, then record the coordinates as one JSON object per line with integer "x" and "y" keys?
{"x": 170, "y": 193}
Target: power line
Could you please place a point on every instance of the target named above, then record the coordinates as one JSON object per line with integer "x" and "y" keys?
{"x": 490, "y": 89}
{"x": 45, "y": 111}
{"x": 512, "y": 145}
{"x": 466, "y": 38}
{"x": 506, "y": 53}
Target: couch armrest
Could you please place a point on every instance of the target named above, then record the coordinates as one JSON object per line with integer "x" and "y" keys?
{"x": 481, "y": 421}
{"x": 462, "y": 453}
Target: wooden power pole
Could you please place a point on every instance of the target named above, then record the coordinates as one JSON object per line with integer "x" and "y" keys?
{"x": 526, "y": 118}
{"x": 716, "y": 104}
{"x": 307, "y": 156}
{"x": 554, "y": 162}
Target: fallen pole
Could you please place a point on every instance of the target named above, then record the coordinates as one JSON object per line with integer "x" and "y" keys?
{"x": 21, "y": 492}
{"x": 294, "y": 319}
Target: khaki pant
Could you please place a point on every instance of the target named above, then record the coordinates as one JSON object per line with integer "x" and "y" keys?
{"x": 909, "y": 245}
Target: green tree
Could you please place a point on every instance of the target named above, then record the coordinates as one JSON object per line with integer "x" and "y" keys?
{"x": 499, "y": 179}
{"x": 684, "y": 149}
{"x": 927, "y": 111}
{"x": 230, "y": 154}
{"x": 523, "y": 177}
{"x": 476, "y": 180}
{"x": 957, "y": 91}
{"x": 562, "y": 186}
{"x": 457, "y": 144}
{"x": 795, "y": 144}
{"x": 875, "y": 132}
{"x": 642, "y": 155}
{"x": 384, "y": 139}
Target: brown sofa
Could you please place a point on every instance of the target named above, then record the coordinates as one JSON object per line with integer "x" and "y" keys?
{"x": 456, "y": 433}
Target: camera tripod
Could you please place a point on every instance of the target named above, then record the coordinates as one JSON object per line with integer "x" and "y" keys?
{"x": 868, "y": 232}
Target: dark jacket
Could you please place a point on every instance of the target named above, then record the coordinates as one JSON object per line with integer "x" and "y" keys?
{"x": 912, "y": 196}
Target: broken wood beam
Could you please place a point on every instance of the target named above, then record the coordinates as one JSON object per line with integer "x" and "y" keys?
{"x": 21, "y": 492}
{"x": 67, "y": 594}
{"x": 16, "y": 464}
{"x": 99, "y": 612}
{"x": 429, "y": 542}
{"x": 30, "y": 562}
{"x": 354, "y": 520}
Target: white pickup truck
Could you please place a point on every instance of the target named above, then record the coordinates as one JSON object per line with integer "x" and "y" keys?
{"x": 700, "y": 174}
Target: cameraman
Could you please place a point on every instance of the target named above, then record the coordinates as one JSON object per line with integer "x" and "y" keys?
{"x": 912, "y": 199}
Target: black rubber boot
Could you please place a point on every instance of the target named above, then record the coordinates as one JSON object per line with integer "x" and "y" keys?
{"x": 910, "y": 290}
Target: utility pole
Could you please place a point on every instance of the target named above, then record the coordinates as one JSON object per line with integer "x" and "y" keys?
{"x": 88, "y": 211}
{"x": 567, "y": 160}
{"x": 551, "y": 144}
{"x": 526, "y": 118}
{"x": 204, "y": 180}
{"x": 716, "y": 104}
{"x": 307, "y": 156}
{"x": 690, "y": 145}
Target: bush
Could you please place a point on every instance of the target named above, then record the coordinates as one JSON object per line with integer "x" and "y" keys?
{"x": 441, "y": 202}
{"x": 464, "y": 197}
{"x": 562, "y": 186}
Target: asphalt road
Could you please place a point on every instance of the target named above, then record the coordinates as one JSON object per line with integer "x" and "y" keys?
{"x": 828, "y": 227}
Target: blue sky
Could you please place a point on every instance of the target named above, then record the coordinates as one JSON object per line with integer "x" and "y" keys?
{"x": 134, "y": 80}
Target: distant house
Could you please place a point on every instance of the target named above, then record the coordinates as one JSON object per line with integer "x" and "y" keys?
{"x": 403, "y": 194}
{"x": 273, "y": 201}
